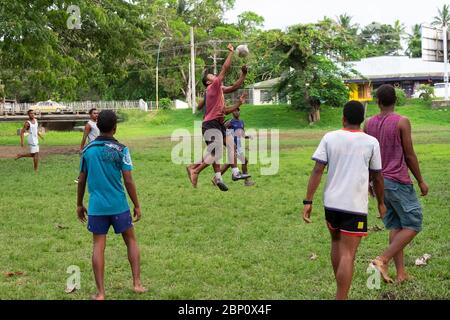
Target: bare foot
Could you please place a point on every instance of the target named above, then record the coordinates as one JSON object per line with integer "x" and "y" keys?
{"x": 139, "y": 289}
{"x": 188, "y": 170}
{"x": 98, "y": 297}
{"x": 383, "y": 269}
{"x": 403, "y": 278}
{"x": 194, "y": 177}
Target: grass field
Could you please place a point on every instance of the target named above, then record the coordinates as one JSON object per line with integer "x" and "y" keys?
{"x": 202, "y": 244}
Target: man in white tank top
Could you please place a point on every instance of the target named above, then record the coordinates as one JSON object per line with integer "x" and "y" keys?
{"x": 91, "y": 131}
{"x": 32, "y": 126}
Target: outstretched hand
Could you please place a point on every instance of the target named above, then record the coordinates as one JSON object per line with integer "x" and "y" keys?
{"x": 230, "y": 47}
{"x": 244, "y": 69}
{"x": 243, "y": 98}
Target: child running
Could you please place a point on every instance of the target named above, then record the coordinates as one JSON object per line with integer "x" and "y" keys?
{"x": 350, "y": 156}
{"x": 104, "y": 163}
{"x": 32, "y": 126}
{"x": 404, "y": 216}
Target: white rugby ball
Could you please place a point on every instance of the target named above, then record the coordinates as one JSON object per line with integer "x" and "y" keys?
{"x": 242, "y": 50}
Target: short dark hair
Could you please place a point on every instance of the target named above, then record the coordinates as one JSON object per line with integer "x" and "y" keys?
{"x": 92, "y": 111}
{"x": 354, "y": 112}
{"x": 107, "y": 120}
{"x": 386, "y": 95}
{"x": 30, "y": 111}
{"x": 205, "y": 77}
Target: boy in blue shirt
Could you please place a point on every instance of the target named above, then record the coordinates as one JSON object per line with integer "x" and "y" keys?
{"x": 236, "y": 128}
{"x": 103, "y": 164}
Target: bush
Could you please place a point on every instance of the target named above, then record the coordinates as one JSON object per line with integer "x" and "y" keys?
{"x": 401, "y": 97}
{"x": 426, "y": 92}
{"x": 165, "y": 103}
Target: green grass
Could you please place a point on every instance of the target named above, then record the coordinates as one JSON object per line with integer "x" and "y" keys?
{"x": 203, "y": 244}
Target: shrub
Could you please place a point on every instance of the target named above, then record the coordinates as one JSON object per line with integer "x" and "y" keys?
{"x": 165, "y": 103}
{"x": 401, "y": 97}
{"x": 426, "y": 92}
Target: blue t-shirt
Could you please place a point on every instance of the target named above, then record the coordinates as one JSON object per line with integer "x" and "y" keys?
{"x": 238, "y": 128}
{"x": 103, "y": 161}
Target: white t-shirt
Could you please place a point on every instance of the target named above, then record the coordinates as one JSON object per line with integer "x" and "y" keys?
{"x": 350, "y": 155}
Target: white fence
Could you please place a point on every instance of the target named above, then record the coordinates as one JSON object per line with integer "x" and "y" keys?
{"x": 10, "y": 108}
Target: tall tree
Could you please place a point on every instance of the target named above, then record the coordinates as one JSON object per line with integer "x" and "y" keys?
{"x": 443, "y": 17}
{"x": 415, "y": 42}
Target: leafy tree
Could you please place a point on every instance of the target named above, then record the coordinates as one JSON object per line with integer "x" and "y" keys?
{"x": 249, "y": 21}
{"x": 381, "y": 39}
{"x": 314, "y": 56}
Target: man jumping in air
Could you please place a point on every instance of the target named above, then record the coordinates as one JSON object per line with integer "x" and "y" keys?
{"x": 213, "y": 127}
{"x": 32, "y": 126}
{"x": 350, "y": 156}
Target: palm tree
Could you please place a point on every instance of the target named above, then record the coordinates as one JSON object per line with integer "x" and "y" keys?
{"x": 344, "y": 21}
{"x": 443, "y": 17}
{"x": 415, "y": 42}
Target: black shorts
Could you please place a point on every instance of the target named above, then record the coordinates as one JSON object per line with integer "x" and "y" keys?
{"x": 213, "y": 125}
{"x": 347, "y": 223}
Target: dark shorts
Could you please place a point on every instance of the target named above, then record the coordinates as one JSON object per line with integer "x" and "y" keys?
{"x": 350, "y": 224}
{"x": 213, "y": 125}
{"x": 100, "y": 225}
{"x": 403, "y": 207}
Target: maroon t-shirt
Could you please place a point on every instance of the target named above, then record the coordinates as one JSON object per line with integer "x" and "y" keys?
{"x": 385, "y": 129}
{"x": 215, "y": 102}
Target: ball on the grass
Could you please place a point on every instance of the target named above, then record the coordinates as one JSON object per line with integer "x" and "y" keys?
{"x": 242, "y": 50}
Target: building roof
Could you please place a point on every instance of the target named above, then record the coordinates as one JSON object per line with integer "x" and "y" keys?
{"x": 268, "y": 84}
{"x": 396, "y": 68}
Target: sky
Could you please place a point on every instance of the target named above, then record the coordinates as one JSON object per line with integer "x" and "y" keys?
{"x": 283, "y": 13}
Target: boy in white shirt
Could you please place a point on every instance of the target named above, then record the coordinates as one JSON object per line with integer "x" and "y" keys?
{"x": 352, "y": 157}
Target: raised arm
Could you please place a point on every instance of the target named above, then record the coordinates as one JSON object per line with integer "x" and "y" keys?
{"x": 238, "y": 83}
{"x": 313, "y": 185}
{"x": 237, "y": 105}
{"x": 410, "y": 154}
{"x": 227, "y": 65}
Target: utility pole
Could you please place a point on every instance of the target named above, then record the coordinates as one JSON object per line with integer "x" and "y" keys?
{"x": 157, "y": 71}
{"x": 215, "y": 57}
{"x": 446, "y": 77}
{"x": 194, "y": 104}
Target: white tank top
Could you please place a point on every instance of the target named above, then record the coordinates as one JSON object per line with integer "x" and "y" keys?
{"x": 33, "y": 133}
{"x": 95, "y": 132}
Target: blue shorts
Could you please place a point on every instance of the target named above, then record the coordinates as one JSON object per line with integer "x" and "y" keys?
{"x": 403, "y": 207}
{"x": 100, "y": 225}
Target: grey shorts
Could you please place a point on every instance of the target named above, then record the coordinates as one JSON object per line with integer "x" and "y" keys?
{"x": 403, "y": 207}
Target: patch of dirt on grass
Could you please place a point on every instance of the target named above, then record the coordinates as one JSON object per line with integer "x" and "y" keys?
{"x": 10, "y": 152}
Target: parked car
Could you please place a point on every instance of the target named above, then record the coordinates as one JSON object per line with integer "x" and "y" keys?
{"x": 50, "y": 107}
{"x": 439, "y": 91}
